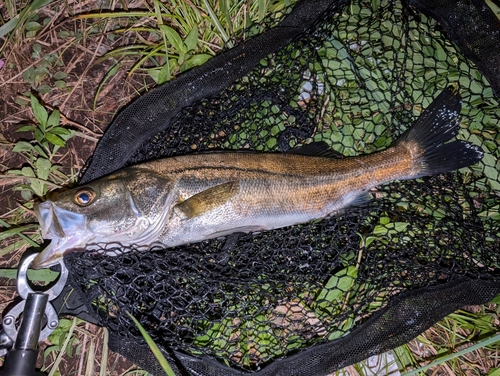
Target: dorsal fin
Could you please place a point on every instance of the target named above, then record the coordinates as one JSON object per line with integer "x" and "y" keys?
{"x": 316, "y": 149}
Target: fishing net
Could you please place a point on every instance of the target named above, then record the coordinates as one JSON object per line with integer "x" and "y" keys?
{"x": 312, "y": 298}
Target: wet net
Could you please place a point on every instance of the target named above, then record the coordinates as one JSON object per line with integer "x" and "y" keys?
{"x": 312, "y": 298}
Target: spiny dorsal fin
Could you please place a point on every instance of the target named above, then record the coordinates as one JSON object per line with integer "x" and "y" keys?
{"x": 316, "y": 149}
{"x": 208, "y": 199}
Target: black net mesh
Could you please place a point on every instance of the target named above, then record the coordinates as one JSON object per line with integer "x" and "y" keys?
{"x": 309, "y": 299}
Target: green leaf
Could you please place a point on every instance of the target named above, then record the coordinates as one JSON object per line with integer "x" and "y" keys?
{"x": 26, "y": 128}
{"x": 60, "y": 75}
{"x": 39, "y": 111}
{"x": 160, "y": 76}
{"x": 32, "y": 26}
{"x": 28, "y": 172}
{"x": 22, "y": 146}
{"x": 197, "y": 60}
{"x": 38, "y": 135}
{"x": 44, "y": 275}
{"x": 174, "y": 38}
{"x": 60, "y": 131}
{"x": 44, "y": 89}
{"x": 60, "y": 84}
{"x": 192, "y": 39}
{"x": 53, "y": 120}
{"x": 37, "y": 50}
{"x": 16, "y": 231}
{"x": 41, "y": 72}
{"x": 38, "y": 187}
{"x": 64, "y": 34}
{"x": 8, "y": 26}
{"x": 338, "y": 285}
{"x": 42, "y": 168}
{"x": 14, "y": 172}
{"x": 29, "y": 75}
{"x": 55, "y": 139}
{"x": 494, "y": 372}
{"x": 26, "y": 194}
{"x": 40, "y": 151}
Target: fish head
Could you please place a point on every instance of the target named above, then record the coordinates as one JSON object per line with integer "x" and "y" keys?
{"x": 115, "y": 209}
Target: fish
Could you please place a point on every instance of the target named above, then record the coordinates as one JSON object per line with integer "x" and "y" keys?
{"x": 190, "y": 198}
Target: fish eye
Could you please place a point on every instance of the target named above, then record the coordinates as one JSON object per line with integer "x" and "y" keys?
{"x": 84, "y": 197}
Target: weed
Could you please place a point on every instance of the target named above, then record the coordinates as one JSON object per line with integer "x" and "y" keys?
{"x": 41, "y": 173}
{"x": 21, "y": 21}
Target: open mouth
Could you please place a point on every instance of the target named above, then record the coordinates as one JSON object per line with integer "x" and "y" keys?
{"x": 65, "y": 228}
{"x": 58, "y": 223}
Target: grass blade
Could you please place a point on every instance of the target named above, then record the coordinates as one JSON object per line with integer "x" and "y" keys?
{"x": 63, "y": 349}
{"x": 479, "y": 345}
{"x": 217, "y": 23}
{"x": 154, "y": 348}
{"x": 44, "y": 275}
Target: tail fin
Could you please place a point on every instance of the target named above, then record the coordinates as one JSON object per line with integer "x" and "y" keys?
{"x": 436, "y": 125}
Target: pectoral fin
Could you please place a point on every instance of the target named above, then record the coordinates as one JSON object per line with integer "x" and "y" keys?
{"x": 208, "y": 199}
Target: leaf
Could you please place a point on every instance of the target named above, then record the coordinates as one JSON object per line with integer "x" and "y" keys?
{"x": 60, "y": 131}
{"x": 43, "y": 168}
{"x": 338, "y": 285}
{"x": 38, "y": 135}
{"x": 26, "y": 194}
{"x": 38, "y": 187}
{"x": 60, "y": 75}
{"x": 494, "y": 372}
{"x": 174, "y": 38}
{"x": 22, "y": 146}
{"x": 28, "y": 172}
{"x": 37, "y": 50}
{"x": 44, "y": 89}
{"x": 48, "y": 350}
{"x": 29, "y": 75}
{"x": 53, "y": 120}
{"x": 32, "y": 26}
{"x": 44, "y": 275}
{"x": 39, "y": 111}
{"x": 40, "y": 151}
{"x": 160, "y": 76}
{"x": 15, "y": 231}
{"x": 64, "y": 34}
{"x": 197, "y": 60}
{"x": 9, "y": 26}
{"x": 55, "y": 139}
{"x": 192, "y": 39}
{"x": 26, "y": 128}
{"x": 14, "y": 172}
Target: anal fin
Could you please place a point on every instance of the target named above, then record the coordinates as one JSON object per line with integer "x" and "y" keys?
{"x": 244, "y": 229}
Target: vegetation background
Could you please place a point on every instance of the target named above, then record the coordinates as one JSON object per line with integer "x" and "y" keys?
{"x": 66, "y": 68}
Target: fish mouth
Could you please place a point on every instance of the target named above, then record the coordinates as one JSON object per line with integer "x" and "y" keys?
{"x": 58, "y": 223}
{"x": 65, "y": 228}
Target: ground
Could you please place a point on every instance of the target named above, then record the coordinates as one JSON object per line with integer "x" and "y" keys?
{"x": 61, "y": 45}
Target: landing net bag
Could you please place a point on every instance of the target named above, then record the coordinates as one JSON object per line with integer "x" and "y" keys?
{"x": 310, "y": 299}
